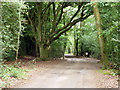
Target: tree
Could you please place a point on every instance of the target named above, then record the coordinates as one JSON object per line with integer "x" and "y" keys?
{"x": 10, "y": 28}
{"x": 110, "y": 24}
{"x": 0, "y": 32}
{"x": 52, "y": 13}
{"x": 88, "y": 39}
{"x": 18, "y": 41}
{"x": 76, "y": 39}
{"x": 99, "y": 34}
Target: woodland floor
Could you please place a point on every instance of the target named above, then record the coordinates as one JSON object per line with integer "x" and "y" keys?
{"x": 69, "y": 73}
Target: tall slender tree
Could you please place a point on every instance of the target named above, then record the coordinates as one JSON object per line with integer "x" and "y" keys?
{"x": 99, "y": 34}
{"x": 0, "y": 31}
{"x": 18, "y": 39}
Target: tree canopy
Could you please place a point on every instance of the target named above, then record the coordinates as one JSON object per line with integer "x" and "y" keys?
{"x": 50, "y": 29}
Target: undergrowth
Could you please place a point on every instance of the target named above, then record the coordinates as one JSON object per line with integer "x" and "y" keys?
{"x": 112, "y": 72}
{"x": 9, "y": 72}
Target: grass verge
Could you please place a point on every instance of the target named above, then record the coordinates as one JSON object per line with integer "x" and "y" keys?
{"x": 9, "y": 72}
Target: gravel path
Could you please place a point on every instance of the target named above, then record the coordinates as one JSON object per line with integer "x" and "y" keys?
{"x": 72, "y": 73}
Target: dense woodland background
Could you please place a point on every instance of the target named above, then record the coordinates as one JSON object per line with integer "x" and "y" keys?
{"x": 50, "y": 29}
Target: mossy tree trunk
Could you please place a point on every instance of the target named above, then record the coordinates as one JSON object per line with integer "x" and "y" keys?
{"x": 99, "y": 35}
{"x": 43, "y": 52}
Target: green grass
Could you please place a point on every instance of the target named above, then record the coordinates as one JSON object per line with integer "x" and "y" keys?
{"x": 112, "y": 72}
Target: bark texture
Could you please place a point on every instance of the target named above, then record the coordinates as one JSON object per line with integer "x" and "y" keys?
{"x": 99, "y": 35}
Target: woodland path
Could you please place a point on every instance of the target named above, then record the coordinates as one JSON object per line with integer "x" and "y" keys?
{"x": 72, "y": 73}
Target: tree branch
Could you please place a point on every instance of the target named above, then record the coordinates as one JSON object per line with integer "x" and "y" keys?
{"x": 65, "y": 30}
{"x": 54, "y": 17}
{"x": 60, "y": 17}
{"x": 75, "y": 13}
{"x": 45, "y": 9}
{"x": 33, "y": 30}
{"x": 52, "y": 33}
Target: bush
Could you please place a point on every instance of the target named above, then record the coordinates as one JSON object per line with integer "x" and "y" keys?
{"x": 10, "y": 28}
{"x": 56, "y": 49}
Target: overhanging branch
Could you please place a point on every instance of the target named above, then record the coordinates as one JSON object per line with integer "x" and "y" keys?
{"x": 65, "y": 30}
{"x": 67, "y": 25}
{"x": 60, "y": 17}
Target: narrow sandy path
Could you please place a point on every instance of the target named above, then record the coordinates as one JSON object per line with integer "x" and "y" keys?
{"x": 73, "y": 73}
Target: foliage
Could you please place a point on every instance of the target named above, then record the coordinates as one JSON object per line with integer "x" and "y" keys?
{"x": 10, "y": 27}
{"x": 10, "y": 71}
{"x": 57, "y": 49}
{"x": 110, "y": 24}
{"x": 70, "y": 42}
{"x": 54, "y": 20}
{"x": 112, "y": 72}
{"x": 89, "y": 38}
{"x": 51, "y": 25}
{"x": 9, "y": 33}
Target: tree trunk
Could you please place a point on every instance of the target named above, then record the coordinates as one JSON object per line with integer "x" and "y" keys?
{"x": 18, "y": 41}
{"x": 0, "y": 32}
{"x": 82, "y": 49}
{"x": 100, "y": 36}
{"x": 74, "y": 43}
{"x": 65, "y": 45}
{"x": 36, "y": 49}
{"x": 77, "y": 46}
{"x": 39, "y": 32}
{"x": 65, "y": 42}
{"x": 33, "y": 31}
{"x": 81, "y": 42}
{"x": 43, "y": 52}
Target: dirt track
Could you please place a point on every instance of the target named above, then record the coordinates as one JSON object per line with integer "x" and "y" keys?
{"x": 72, "y": 73}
